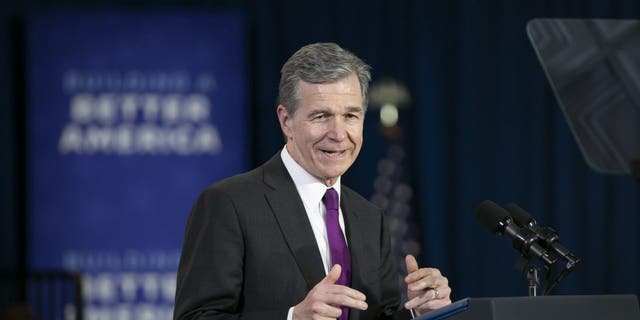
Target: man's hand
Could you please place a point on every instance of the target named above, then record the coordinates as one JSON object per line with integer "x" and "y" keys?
{"x": 323, "y": 302}
{"x": 427, "y": 289}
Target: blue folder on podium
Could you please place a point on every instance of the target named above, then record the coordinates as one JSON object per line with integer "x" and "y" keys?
{"x": 610, "y": 307}
{"x": 448, "y": 311}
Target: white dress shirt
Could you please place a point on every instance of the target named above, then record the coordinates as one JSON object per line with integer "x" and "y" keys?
{"x": 311, "y": 190}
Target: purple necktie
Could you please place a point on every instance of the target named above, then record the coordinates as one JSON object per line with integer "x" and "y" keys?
{"x": 337, "y": 244}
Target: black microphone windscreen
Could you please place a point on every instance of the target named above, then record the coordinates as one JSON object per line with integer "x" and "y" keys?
{"x": 519, "y": 215}
{"x": 490, "y": 215}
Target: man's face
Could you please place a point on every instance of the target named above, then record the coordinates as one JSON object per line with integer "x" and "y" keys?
{"x": 324, "y": 135}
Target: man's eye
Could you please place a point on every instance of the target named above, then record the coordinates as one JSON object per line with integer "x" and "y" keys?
{"x": 318, "y": 117}
{"x": 352, "y": 116}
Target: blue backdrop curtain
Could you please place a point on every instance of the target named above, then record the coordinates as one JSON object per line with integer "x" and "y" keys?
{"x": 491, "y": 129}
{"x": 484, "y": 125}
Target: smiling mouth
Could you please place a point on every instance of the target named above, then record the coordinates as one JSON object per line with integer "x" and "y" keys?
{"x": 333, "y": 153}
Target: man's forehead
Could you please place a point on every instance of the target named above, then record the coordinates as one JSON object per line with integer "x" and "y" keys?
{"x": 331, "y": 92}
{"x": 329, "y": 109}
{"x": 351, "y": 81}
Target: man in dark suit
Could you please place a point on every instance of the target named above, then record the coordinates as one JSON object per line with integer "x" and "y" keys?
{"x": 286, "y": 241}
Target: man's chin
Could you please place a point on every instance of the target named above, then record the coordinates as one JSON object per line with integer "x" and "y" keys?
{"x": 332, "y": 174}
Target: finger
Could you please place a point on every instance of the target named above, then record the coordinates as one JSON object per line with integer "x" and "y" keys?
{"x": 333, "y": 275}
{"x": 444, "y": 293}
{"x": 319, "y": 317}
{"x": 421, "y": 273}
{"x": 322, "y": 309}
{"x": 344, "y": 290}
{"x": 428, "y": 282}
{"x": 412, "y": 264}
{"x": 428, "y": 295}
{"x": 424, "y": 283}
{"x": 418, "y": 301}
{"x": 342, "y": 300}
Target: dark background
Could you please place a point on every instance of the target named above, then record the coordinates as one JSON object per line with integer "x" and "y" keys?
{"x": 484, "y": 124}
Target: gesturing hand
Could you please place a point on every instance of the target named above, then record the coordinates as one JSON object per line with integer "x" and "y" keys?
{"x": 323, "y": 302}
{"x": 427, "y": 289}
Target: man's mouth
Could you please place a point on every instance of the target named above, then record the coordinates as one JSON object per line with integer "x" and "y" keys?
{"x": 333, "y": 153}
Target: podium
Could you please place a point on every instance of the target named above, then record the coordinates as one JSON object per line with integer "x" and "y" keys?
{"x": 597, "y": 307}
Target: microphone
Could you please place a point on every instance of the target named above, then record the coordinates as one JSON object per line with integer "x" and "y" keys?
{"x": 548, "y": 236}
{"x": 498, "y": 221}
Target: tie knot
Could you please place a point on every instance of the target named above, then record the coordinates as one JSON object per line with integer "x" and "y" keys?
{"x": 330, "y": 199}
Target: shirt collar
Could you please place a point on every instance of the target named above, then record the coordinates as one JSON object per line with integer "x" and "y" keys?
{"x": 311, "y": 189}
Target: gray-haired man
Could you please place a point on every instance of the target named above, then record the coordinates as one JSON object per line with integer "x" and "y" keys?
{"x": 287, "y": 240}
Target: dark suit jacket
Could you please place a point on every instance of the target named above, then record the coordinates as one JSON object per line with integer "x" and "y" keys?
{"x": 249, "y": 251}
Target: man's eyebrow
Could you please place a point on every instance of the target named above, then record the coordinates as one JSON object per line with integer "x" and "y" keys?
{"x": 350, "y": 109}
{"x": 355, "y": 109}
{"x": 317, "y": 111}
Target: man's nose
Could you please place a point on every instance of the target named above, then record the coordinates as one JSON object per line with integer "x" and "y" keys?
{"x": 337, "y": 129}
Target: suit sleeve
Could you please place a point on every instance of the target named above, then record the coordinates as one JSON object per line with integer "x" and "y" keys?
{"x": 211, "y": 272}
{"x": 209, "y": 282}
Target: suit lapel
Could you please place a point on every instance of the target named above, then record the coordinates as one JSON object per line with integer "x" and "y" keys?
{"x": 289, "y": 211}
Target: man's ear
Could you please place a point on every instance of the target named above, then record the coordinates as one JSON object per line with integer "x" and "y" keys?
{"x": 285, "y": 120}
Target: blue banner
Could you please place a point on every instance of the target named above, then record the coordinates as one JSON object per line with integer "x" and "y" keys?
{"x": 130, "y": 116}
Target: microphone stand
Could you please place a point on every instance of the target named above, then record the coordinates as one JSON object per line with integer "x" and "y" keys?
{"x": 531, "y": 273}
{"x": 532, "y": 279}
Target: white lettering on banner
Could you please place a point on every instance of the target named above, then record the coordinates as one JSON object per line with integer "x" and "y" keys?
{"x": 108, "y": 288}
{"x": 141, "y": 124}
{"x": 133, "y": 80}
{"x": 127, "y": 295}
{"x": 142, "y": 311}
{"x": 131, "y": 259}
{"x": 105, "y": 108}
{"x": 129, "y": 284}
{"x": 144, "y": 139}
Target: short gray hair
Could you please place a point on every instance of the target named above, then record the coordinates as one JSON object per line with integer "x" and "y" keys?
{"x": 320, "y": 63}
